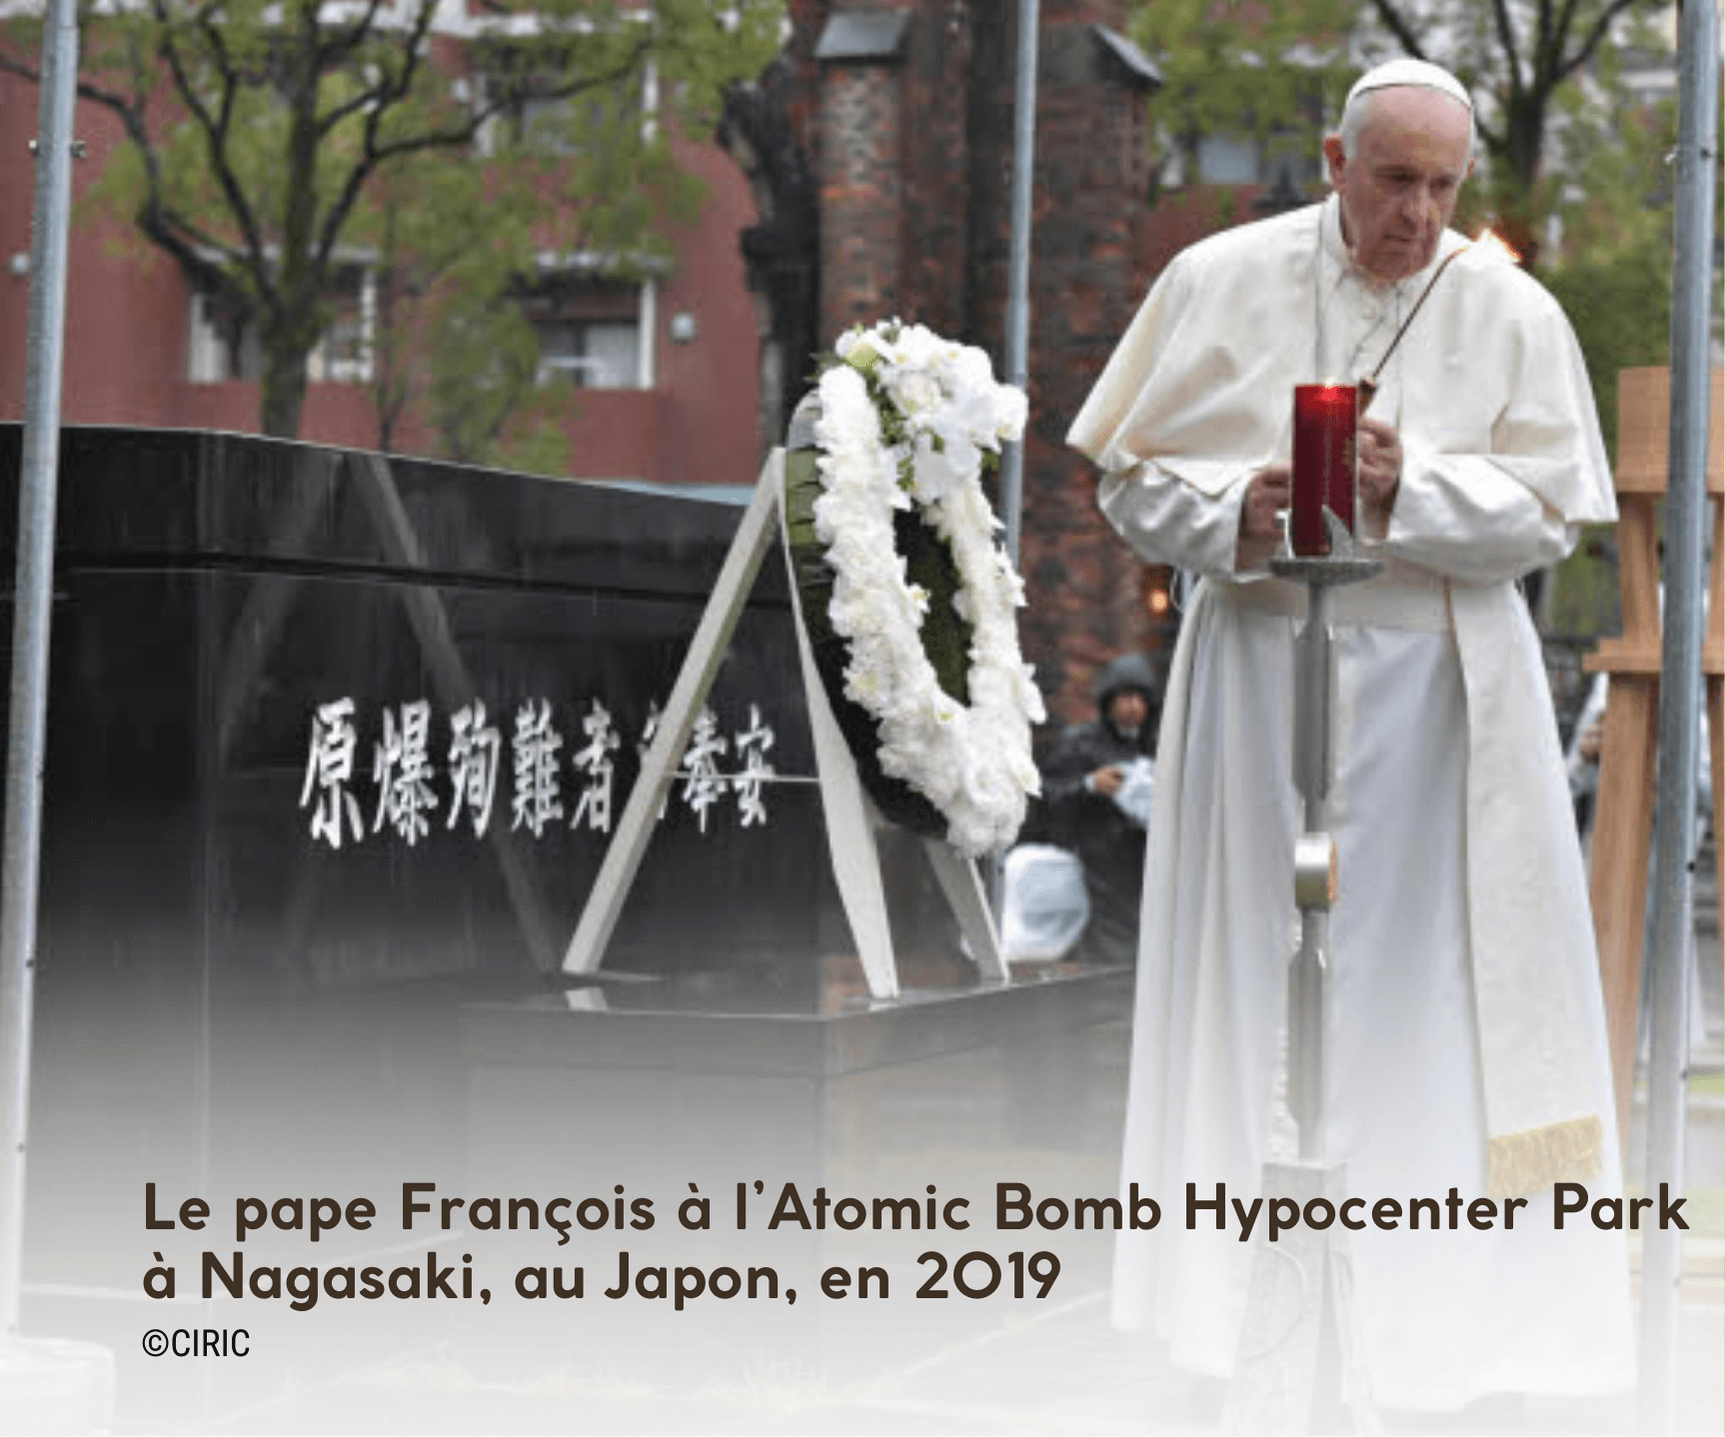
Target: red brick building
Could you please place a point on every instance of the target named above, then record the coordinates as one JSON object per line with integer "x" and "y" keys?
{"x": 866, "y": 175}
{"x": 663, "y": 397}
{"x": 880, "y": 147}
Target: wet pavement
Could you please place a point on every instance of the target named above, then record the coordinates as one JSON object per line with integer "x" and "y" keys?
{"x": 1032, "y": 1367}
{"x": 351, "y": 1093}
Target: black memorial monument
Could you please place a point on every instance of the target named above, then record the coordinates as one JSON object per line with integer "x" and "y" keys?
{"x": 335, "y": 745}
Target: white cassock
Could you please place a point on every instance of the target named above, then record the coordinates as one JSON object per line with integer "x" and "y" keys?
{"x": 1465, "y": 1034}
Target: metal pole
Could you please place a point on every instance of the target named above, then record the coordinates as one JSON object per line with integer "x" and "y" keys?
{"x": 1679, "y": 694}
{"x": 1314, "y": 847}
{"x": 33, "y": 593}
{"x": 1018, "y": 264}
{"x": 1018, "y": 316}
{"x": 1314, "y": 769}
{"x": 1296, "y": 1367}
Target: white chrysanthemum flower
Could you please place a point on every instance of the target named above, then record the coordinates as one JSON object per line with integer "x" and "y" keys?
{"x": 1011, "y": 413}
{"x": 913, "y": 390}
{"x": 973, "y": 368}
{"x": 972, "y": 763}
{"x": 932, "y": 476}
{"x": 920, "y": 346}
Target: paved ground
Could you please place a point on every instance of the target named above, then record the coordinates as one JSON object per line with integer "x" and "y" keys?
{"x": 354, "y": 1102}
{"x": 1058, "y": 1370}
{"x": 1062, "y": 1371}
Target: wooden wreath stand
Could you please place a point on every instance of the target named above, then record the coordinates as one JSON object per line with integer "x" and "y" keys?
{"x": 850, "y": 820}
{"x": 1623, "y": 822}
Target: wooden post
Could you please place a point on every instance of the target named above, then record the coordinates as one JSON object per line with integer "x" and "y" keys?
{"x": 1623, "y": 817}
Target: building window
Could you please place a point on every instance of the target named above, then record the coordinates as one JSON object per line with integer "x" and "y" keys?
{"x": 1227, "y": 160}
{"x": 343, "y": 352}
{"x": 1291, "y": 170}
{"x": 591, "y": 330}
{"x": 535, "y": 114}
{"x": 1283, "y": 161}
{"x": 223, "y": 341}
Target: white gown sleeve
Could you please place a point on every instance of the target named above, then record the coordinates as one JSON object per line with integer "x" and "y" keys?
{"x": 1518, "y": 505}
{"x": 1168, "y": 520}
{"x": 1468, "y": 518}
{"x": 1172, "y": 486}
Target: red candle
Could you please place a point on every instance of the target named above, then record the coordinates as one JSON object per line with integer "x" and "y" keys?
{"x": 1325, "y": 419}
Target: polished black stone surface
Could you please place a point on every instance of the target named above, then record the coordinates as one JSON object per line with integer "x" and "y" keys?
{"x": 231, "y": 610}
{"x": 137, "y": 497}
{"x": 229, "y": 1002}
{"x": 725, "y": 1022}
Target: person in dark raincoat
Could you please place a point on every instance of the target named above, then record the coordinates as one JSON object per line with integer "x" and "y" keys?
{"x": 1094, "y": 779}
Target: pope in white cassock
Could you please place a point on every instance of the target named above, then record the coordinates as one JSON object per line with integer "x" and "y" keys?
{"x": 1465, "y": 1036}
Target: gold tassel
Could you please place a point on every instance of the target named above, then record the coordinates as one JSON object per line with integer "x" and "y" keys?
{"x": 1520, "y": 1163}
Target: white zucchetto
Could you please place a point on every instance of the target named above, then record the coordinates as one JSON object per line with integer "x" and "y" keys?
{"x": 1404, "y": 71}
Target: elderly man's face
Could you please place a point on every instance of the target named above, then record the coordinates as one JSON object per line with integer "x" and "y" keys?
{"x": 1399, "y": 188}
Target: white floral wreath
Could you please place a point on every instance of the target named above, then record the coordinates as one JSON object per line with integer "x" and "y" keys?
{"x": 909, "y": 419}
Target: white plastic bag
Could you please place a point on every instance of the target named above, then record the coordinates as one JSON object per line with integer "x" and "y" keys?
{"x": 1046, "y": 904}
{"x": 1134, "y": 795}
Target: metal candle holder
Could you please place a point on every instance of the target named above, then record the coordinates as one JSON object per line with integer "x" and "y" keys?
{"x": 1297, "y": 1355}
{"x": 1315, "y": 848}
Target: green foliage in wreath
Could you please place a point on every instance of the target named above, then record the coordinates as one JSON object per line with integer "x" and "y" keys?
{"x": 946, "y": 636}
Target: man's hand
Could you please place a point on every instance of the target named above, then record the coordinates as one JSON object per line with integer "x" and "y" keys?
{"x": 1380, "y": 466}
{"x": 1107, "y": 781}
{"x": 1268, "y": 492}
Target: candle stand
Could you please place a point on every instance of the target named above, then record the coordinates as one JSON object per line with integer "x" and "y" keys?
{"x": 1296, "y": 1338}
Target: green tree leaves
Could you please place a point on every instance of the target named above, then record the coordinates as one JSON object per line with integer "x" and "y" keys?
{"x": 270, "y": 141}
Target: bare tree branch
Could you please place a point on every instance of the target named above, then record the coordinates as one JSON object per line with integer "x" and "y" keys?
{"x": 1601, "y": 28}
{"x": 11, "y": 66}
{"x": 1506, "y": 37}
{"x": 189, "y": 246}
{"x": 215, "y": 130}
{"x": 1547, "y": 42}
{"x": 254, "y": 214}
{"x": 1399, "y": 27}
{"x": 386, "y": 92}
{"x": 343, "y": 42}
{"x": 457, "y": 136}
{"x": 392, "y": 93}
